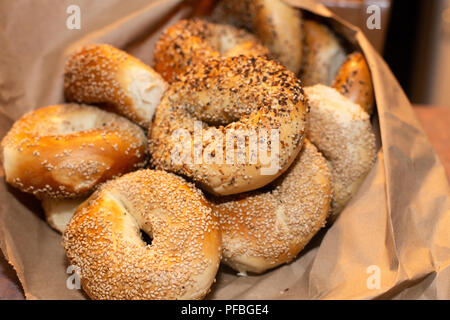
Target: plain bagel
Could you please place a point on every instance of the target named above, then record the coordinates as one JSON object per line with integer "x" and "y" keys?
{"x": 341, "y": 130}
{"x": 66, "y": 150}
{"x": 103, "y": 75}
{"x": 270, "y": 226}
{"x": 278, "y": 25}
{"x": 223, "y": 101}
{"x": 189, "y": 42}
{"x": 103, "y": 239}
{"x": 323, "y": 54}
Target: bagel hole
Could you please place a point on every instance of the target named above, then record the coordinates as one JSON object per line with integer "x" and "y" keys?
{"x": 146, "y": 238}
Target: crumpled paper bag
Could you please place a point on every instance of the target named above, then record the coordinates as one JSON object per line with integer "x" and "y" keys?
{"x": 391, "y": 242}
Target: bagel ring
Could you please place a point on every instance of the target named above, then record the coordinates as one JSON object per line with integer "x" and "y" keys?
{"x": 323, "y": 54}
{"x": 189, "y": 42}
{"x": 341, "y": 130}
{"x": 66, "y": 150}
{"x": 278, "y": 25}
{"x": 103, "y": 239}
{"x": 106, "y": 76}
{"x": 264, "y": 228}
{"x": 354, "y": 81}
{"x": 223, "y": 100}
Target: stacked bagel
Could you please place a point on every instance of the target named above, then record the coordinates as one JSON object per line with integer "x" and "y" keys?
{"x": 218, "y": 154}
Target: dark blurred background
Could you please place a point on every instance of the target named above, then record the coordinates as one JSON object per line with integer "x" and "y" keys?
{"x": 414, "y": 39}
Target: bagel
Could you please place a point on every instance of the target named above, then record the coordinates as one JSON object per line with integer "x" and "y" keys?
{"x": 106, "y": 76}
{"x": 278, "y": 26}
{"x": 265, "y": 228}
{"x": 189, "y": 42}
{"x": 103, "y": 239}
{"x": 58, "y": 212}
{"x": 341, "y": 130}
{"x": 66, "y": 150}
{"x": 222, "y": 100}
{"x": 323, "y": 55}
{"x": 354, "y": 81}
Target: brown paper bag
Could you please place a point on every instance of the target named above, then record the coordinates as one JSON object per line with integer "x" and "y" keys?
{"x": 391, "y": 241}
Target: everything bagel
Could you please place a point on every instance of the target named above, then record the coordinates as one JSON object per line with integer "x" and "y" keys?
{"x": 223, "y": 100}
{"x": 103, "y": 239}
{"x": 189, "y": 42}
{"x": 66, "y": 150}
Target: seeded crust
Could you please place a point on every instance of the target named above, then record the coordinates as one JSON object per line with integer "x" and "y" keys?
{"x": 66, "y": 150}
{"x": 323, "y": 55}
{"x": 230, "y": 94}
{"x": 278, "y": 26}
{"x": 106, "y": 76}
{"x": 265, "y": 228}
{"x": 354, "y": 81}
{"x": 189, "y": 42}
{"x": 104, "y": 242}
{"x": 341, "y": 130}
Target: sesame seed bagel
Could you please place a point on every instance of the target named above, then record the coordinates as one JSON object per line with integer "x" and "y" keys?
{"x": 270, "y": 226}
{"x": 106, "y": 76}
{"x": 58, "y": 212}
{"x": 189, "y": 42}
{"x": 66, "y": 150}
{"x": 218, "y": 123}
{"x": 278, "y": 25}
{"x": 323, "y": 55}
{"x": 103, "y": 239}
{"x": 354, "y": 81}
{"x": 341, "y": 130}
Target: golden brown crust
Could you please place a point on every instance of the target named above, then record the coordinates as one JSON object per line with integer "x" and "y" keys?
{"x": 341, "y": 130}
{"x": 323, "y": 54}
{"x": 103, "y": 75}
{"x": 354, "y": 81}
{"x": 103, "y": 239}
{"x": 278, "y": 26}
{"x": 270, "y": 226}
{"x": 66, "y": 150}
{"x": 231, "y": 95}
{"x": 189, "y": 42}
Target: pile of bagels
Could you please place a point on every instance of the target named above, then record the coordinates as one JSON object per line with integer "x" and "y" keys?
{"x": 140, "y": 221}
